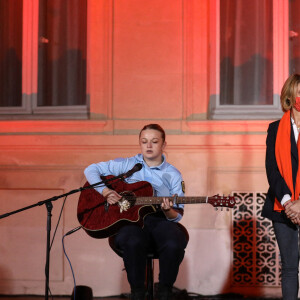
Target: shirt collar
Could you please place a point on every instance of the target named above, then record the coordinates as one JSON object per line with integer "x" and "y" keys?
{"x": 293, "y": 122}
{"x": 140, "y": 158}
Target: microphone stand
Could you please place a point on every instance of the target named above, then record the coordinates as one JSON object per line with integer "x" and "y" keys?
{"x": 49, "y": 206}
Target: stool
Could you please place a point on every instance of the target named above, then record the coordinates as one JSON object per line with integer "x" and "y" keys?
{"x": 149, "y": 264}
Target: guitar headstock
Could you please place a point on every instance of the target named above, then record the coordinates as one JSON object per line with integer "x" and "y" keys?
{"x": 221, "y": 201}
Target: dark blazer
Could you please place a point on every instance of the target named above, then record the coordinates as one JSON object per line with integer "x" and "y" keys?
{"x": 278, "y": 187}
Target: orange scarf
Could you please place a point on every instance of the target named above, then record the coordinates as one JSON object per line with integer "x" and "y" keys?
{"x": 283, "y": 158}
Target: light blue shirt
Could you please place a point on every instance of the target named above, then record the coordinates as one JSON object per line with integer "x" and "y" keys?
{"x": 165, "y": 179}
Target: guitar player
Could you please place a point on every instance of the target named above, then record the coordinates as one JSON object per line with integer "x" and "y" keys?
{"x": 160, "y": 229}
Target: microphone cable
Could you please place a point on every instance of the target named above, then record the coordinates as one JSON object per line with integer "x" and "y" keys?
{"x": 63, "y": 244}
{"x": 68, "y": 233}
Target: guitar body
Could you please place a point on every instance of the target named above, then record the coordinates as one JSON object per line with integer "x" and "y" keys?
{"x": 101, "y": 221}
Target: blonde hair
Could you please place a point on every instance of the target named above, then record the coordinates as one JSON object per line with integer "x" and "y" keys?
{"x": 289, "y": 92}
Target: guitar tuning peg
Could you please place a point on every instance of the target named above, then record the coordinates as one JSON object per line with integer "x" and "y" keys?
{"x": 227, "y": 209}
{"x": 221, "y": 208}
{"x": 216, "y": 208}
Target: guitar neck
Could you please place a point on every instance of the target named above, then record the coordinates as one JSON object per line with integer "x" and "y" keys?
{"x": 177, "y": 200}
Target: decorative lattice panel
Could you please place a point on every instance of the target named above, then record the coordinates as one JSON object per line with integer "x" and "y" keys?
{"x": 255, "y": 251}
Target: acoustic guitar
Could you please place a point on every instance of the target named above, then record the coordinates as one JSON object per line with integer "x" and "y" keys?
{"x": 101, "y": 220}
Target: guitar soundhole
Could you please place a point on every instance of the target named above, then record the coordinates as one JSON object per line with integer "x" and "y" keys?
{"x": 129, "y": 196}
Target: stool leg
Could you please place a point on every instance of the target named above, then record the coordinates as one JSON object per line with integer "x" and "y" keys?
{"x": 149, "y": 279}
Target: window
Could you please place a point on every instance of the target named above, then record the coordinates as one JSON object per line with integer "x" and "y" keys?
{"x": 246, "y": 54}
{"x": 251, "y": 65}
{"x": 294, "y": 29}
{"x": 43, "y": 61}
{"x": 11, "y": 53}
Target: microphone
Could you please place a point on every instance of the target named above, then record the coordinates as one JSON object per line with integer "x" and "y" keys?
{"x": 137, "y": 167}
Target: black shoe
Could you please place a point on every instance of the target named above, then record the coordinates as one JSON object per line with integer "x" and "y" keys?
{"x": 138, "y": 294}
{"x": 164, "y": 292}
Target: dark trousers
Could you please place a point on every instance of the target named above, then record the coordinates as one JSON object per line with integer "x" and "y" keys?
{"x": 168, "y": 240}
{"x": 287, "y": 239}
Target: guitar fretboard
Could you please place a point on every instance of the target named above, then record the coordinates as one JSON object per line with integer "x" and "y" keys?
{"x": 177, "y": 200}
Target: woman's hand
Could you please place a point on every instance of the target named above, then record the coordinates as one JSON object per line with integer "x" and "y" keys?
{"x": 111, "y": 196}
{"x": 292, "y": 210}
{"x": 166, "y": 207}
{"x": 166, "y": 204}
